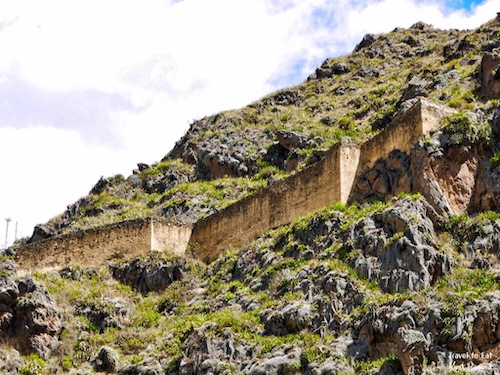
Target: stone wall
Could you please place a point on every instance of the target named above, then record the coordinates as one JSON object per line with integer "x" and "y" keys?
{"x": 313, "y": 188}
{"x": 168, "y": 237}
{"x": 95, "y": 246}
{"x": 330, "y": 180}
{"x": 416, "y": 123}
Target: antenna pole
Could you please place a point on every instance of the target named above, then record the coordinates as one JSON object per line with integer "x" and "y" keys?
{"x": 7, "y": 219}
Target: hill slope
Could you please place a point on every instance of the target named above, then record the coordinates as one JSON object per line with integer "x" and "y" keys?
{"x": 387, "y": 286}
{"x": 229, "y": 155}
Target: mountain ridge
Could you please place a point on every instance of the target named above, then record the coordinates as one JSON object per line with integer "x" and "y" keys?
{"x": 403, "y": 281}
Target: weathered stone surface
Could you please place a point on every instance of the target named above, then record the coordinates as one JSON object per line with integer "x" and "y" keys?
{"x": 285, "y": 98}
{"x": 40, "y": 232}
{"x": 37, "y": 320}
{"x": 148, "y": 366}
{"x": 10, "y": 361}
{"x": 107, "y": 360}
{"x": 288, "y": 363}
{"x": 147, "y": 276}
{"x": 9, "y": 292}
{"x": 416, "y": 87}
{"x": 292, "y": 140}
{"x": 490, "y": 76}
{"x": 397, "y": 247}
{"x": 289, "y": 319}
{"x": 100, "y": 186}
{"x": 412, "y": 347}
{"x": 367, "y": 40}
{"x": 495, "y": 128}
{"x": 107, "y": 313}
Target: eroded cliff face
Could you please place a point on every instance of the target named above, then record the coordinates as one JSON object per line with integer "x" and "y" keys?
{"x": 456, "y": 174}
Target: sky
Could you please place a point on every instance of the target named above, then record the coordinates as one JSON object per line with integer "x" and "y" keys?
{"x": 90, "y": 88}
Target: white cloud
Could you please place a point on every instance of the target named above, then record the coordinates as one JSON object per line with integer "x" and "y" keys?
{"x": 89, "y": 88}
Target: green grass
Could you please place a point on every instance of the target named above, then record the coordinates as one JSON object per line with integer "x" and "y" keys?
{"x": 33, "y": 365}
{"x": 461, "y": 127}
{"x": 468, "y": 284}
{"x": 495, "y": 159}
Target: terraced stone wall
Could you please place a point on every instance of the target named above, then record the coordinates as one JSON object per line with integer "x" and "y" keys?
{"x": 313, "y": 188}
{"x": 96, "y": 246}
{"x": 330, "y": 180}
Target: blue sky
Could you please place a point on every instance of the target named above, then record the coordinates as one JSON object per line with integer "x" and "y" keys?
{"x": 90, "y": 88}
{"x": 462, "y": 4}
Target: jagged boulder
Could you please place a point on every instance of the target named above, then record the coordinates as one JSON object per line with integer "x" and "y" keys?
{"x": 148, "y": 366}
{"x": 107, "y": 360}
{"x": 291, "y": 140}
{"x": 490, "y": 76}
{"x": 38, "y": 321}
{"x": 286, "y": 362}
{"x": 150, "y": 274}
{"x": 367, "y": 41}
{"x": 495, "y": 128}
{"x": 105, "y": 313}
{"x": 100, "y": 186}
{"x": 10, "y": 361}
{"x": 412, "y": 346}
{"x": 396, "y": 247}
{"x": 40, "y": 232}
{"x": 29, "y": 317}
{"x": 290, "y": 318}
{"x": 9, "y": 292}
{"x": 285, "y": 98}
{"x": 206, "y": 352}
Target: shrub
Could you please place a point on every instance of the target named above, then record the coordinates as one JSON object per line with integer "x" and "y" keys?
{"x": 463, "y": 127}
{"x": 495, "y": 159}
{"x": 346, "y": 122}
{"x": 34, "y": 365}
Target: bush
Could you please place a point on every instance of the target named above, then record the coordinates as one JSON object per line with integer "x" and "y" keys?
{"x": 495, "y": 159}
{"x": 464, "y": 127}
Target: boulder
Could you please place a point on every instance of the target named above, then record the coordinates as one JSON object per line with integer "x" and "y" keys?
{"x": 9, "y": 292}
{"x": 107, "y": 360}
{"x": 287, "y": 363}
{"x": 490, "y": 76}
{"x": 289, "y": 319}
{"x": 495, "y": 128}
{"x": 149, "y": 275}
{"x": 416, "y": 87}
{"x": 148, "y": 366}
{"x": 105, "y": 313}
{"x": 291, "y": 140}
{"x": 412, "y": 346}
{"x": 367, "y": 40}
{"x": 286, "y": 98}
{"x": 40, "y": 232}
{"x": 37, "y": 322}
{"x": 397, "y": 247}
{"x": 100, "y": 186}
{"x": 10, "y": 361}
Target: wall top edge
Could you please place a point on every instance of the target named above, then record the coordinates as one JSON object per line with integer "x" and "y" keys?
{"x": 103, "y": 228}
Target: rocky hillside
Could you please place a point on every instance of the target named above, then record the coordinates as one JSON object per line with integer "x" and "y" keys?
{"x": 229, "y": 155}
{"x": 396, "y": 283}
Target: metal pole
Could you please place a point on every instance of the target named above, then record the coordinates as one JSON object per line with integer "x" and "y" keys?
{"x": 7, "y": 219}
{"x": 15, "y": 235}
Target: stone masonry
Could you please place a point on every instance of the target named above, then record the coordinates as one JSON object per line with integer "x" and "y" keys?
{"x": 315, "y": 187}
